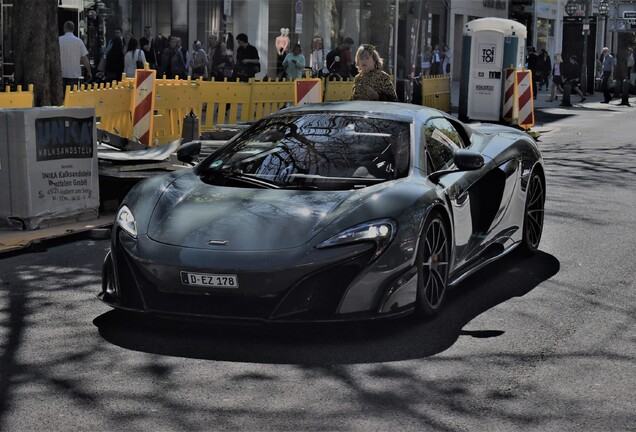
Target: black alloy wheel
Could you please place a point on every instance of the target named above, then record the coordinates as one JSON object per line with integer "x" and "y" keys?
{"x": 534, "y": 213}
{"x": 433, "y": 261}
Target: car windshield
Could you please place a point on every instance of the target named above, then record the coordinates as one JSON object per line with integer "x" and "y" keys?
{"x": 323, "y": 151}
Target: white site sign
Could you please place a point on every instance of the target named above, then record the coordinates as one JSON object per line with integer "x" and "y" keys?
{"x": 53, "y": 169}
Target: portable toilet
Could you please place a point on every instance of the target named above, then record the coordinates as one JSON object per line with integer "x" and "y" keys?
{"x": 490, "y": 45}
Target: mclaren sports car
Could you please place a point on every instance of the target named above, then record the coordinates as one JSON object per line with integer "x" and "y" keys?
{"x": 327, "y": 212}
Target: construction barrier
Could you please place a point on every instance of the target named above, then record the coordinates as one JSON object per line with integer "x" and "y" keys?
{"x": 144, "y": 105}
{"x": 510, "y": 108}
{"x": 436, "y": 92}
{"x": 523, "y": 95}
{"x": 213, "y": 102}
{"x": 112, "y": 103}
{"x": 337, "y": 90}
{"x": 174, "y": 100}
{"x": 307, "y": 90}
{"x": 17, "y": 99}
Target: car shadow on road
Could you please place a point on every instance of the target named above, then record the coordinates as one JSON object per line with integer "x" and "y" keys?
{"x": 329, "y": 344}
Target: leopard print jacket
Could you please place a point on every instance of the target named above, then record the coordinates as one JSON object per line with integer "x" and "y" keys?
{"x": 377, "y": 80}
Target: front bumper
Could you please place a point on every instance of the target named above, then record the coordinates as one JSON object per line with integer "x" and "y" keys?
{"x": 292, "y": 285}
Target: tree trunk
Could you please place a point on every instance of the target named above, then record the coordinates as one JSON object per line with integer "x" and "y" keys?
{"x": 380, "y": 24}
{"x": 37, "y": 49}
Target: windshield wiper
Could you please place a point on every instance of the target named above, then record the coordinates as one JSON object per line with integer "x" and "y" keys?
{"x": 245, "y": 178}
{"x": 299, "y": 186}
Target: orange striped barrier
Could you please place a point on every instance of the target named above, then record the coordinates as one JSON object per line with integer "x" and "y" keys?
{"x": 144, "y": 105}
{"x": 510, "y": 108}
{"x": 523, "y": 82}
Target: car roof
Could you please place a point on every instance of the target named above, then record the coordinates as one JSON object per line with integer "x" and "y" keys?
{"x": 399, "y": 110}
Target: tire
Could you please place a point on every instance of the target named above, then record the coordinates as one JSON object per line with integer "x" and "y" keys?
{"x": 533, "y": 215}
{"x": 433, "y": 257}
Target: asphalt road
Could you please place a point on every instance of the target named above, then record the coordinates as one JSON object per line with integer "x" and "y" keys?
{"x": 544, "y": 343}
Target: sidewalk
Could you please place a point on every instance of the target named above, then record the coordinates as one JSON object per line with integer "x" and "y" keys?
{"x": 541, "y": 102}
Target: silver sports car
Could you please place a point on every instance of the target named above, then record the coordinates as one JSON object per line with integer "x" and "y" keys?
{"x": 327, "y": 212}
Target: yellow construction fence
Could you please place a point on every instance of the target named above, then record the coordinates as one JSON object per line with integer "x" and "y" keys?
{"x": 214, "y": 102}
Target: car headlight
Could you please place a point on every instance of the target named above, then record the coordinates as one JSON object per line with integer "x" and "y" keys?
{"x": 379, "y": 231}
{"x": 126, "y": 221}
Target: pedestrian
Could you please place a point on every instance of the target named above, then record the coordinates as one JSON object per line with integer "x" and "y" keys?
{"x": 186, "y": 56}
{"x": 73, "y": 54}
{"x": 546, "y": 69}
{"x": 213, "y": 41}
{"x": 198, "y": 62}
{"x": 248, "y": 62}
{"x": 117, "y": 34}
{"x": 371, "y": 83}
{"x": 134, "y": 58}
{"x": 149, "y": 46}
{"x": 557, "y": 78}
{"x": 447, "y": 60}
{"x": 294, "y": 63}
{"x": 532, "y": 62}
{"x": 339, "y": 59}
{"x": 172, "y": 61}
{"x": 573, "y": 77}
{"x": 317, "y": 56}
{"x": 114, "y": 58}
{"x": 222, "y": 62}
{"x": 127, "y": 38}
{"x": 94, "y": 38}
{"x": 436, "y": 61}
{"x": 608, "y": 65}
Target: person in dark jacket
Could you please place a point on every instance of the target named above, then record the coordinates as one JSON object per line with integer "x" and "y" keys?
{"x": 532, "y": 61}
{"x": 114, "y": 59}
{"x": 573, "y": 76}
{"x": 546, "y": 69}
{"x": 248, "y": 63}
{"x": 172, "y": 61}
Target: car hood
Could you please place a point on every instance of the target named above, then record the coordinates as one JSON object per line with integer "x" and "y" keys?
{"x": 194, "y": 214}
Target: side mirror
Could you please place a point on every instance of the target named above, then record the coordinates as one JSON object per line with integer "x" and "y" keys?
{"x": 464, "y": 160}
{"x": 189, "y": 151}
{"x": 468, "y": 160}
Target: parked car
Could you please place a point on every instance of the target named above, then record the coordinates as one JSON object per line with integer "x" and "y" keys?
{"x": 327, "y": 212}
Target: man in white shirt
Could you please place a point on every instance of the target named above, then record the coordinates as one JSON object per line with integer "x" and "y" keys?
{"x": 72, "y": 52}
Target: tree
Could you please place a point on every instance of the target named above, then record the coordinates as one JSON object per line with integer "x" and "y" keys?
{"x": 380, "y": 26}
{"x": 37, "y": 49}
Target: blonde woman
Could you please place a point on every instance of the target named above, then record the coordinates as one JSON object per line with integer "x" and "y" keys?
{"x": 371, "y": 83}
{"x": 557, "y": 77}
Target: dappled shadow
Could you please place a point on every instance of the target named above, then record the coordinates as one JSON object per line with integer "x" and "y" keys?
{"x": 572, "y": 166}
{"x": 59, "y": 373}
{"x": 326, "y": 344}
{"x": 45, "y": 296}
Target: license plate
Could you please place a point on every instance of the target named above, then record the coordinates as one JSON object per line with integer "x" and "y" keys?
{"x": 209, "y": 280}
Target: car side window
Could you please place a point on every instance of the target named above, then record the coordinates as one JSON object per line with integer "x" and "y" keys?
{"x": 441, "y": 142}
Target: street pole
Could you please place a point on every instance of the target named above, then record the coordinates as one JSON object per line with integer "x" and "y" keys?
{"x": 586, "y": 32}
{"x": 395, "y": 41}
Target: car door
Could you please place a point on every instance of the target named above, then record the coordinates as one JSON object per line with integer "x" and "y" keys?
{"x": 470, "y": 217}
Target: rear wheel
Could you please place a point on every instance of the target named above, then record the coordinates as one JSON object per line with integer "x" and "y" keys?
{"x": 433, "y": 257}
{"x": 533, "y": 215}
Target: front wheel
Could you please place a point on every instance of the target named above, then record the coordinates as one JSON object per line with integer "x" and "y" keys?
{"x": 433, "y": 258}
{"x": 533, "y": 214}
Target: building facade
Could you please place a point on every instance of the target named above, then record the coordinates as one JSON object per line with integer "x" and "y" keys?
{"x": 400, "y": 29}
